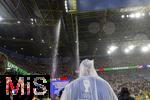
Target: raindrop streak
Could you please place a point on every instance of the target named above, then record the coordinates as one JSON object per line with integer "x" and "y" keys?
{"x": 77, "y": 45}
{"x": 55, "y": 52}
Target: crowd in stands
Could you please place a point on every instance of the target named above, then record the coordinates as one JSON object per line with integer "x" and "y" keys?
{"x": 30, "y": 66}
{"x": 137, "y": 80}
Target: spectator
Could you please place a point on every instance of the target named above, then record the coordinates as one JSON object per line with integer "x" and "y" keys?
{"x": 60, "y": 93}
{"x": 125, "y": 94}
{"x": 89, "y": 86}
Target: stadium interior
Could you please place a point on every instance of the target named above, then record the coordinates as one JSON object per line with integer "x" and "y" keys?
{"x": 44, "y": 37}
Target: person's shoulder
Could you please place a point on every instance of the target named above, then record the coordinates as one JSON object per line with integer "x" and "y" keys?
{"x": 71, "y": 83}
{"x": 76, "y": 81}
{"x": 102, "y": 82}
{"x": 99, "y": 79}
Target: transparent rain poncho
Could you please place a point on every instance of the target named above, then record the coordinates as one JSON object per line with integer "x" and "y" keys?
{"x": 89, "y": 86}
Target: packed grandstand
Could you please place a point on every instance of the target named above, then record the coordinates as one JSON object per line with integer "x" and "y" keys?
{"x": 53, "y": 37}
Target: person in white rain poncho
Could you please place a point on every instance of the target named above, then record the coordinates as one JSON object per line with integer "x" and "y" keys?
{"x": 89, "y": 86}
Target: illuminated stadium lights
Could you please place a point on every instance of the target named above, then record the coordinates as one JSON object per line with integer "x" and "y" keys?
{"x": 31, "y": 19}
{"x": 126, "y": 50}
{"x": 66, "y": 10}
{"x": 13, "y": 38}
{"x": 143, "y": 14}
{"x": 145, "y": 49}
{"x": 31, "y": 39}
{"x": 1, "y": 18}
{"x": 137, "y": 15}
{"x": 21, "y": 48}
{"x": 109, "y": 52}
{"x": 122, "y": 16}
{"x": 43, "y": 41}
{"x": 131, "y": 47}
{"x": 65, "y": 3}
{"x": 112, "y": 49}
{"x": 32, "y": 23}
{"x": 131, "y": 15}
{"x": 18, "y": 22}
{"x": 66, "y": 6}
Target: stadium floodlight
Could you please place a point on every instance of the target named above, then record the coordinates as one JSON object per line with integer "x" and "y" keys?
{"x": 127, "y": 50}
{"x": 137, "y": 15}
{"x": 132, "y": 15}
{"x": 65, "y": 3}
{"x": 42, "y": 41}
{"x": 143, "y": 14}
{"x": 1, "y": 18}
{"x": 109, "y": 52}
{"x": 31, "y": 19}
{"x": 113, "y": 48}
{"x": 131, "y": 47}
{"x": 18, "y": 22}
{"x": 21, "y": 48}
{"x": 127, "y": 15}
{"x": 67, "y": 10}
{"x": 66, "y": 6}
{"x": 145, "y": 49}
{"x": 122, "y": 16}
{"x": 13, "y": 38}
